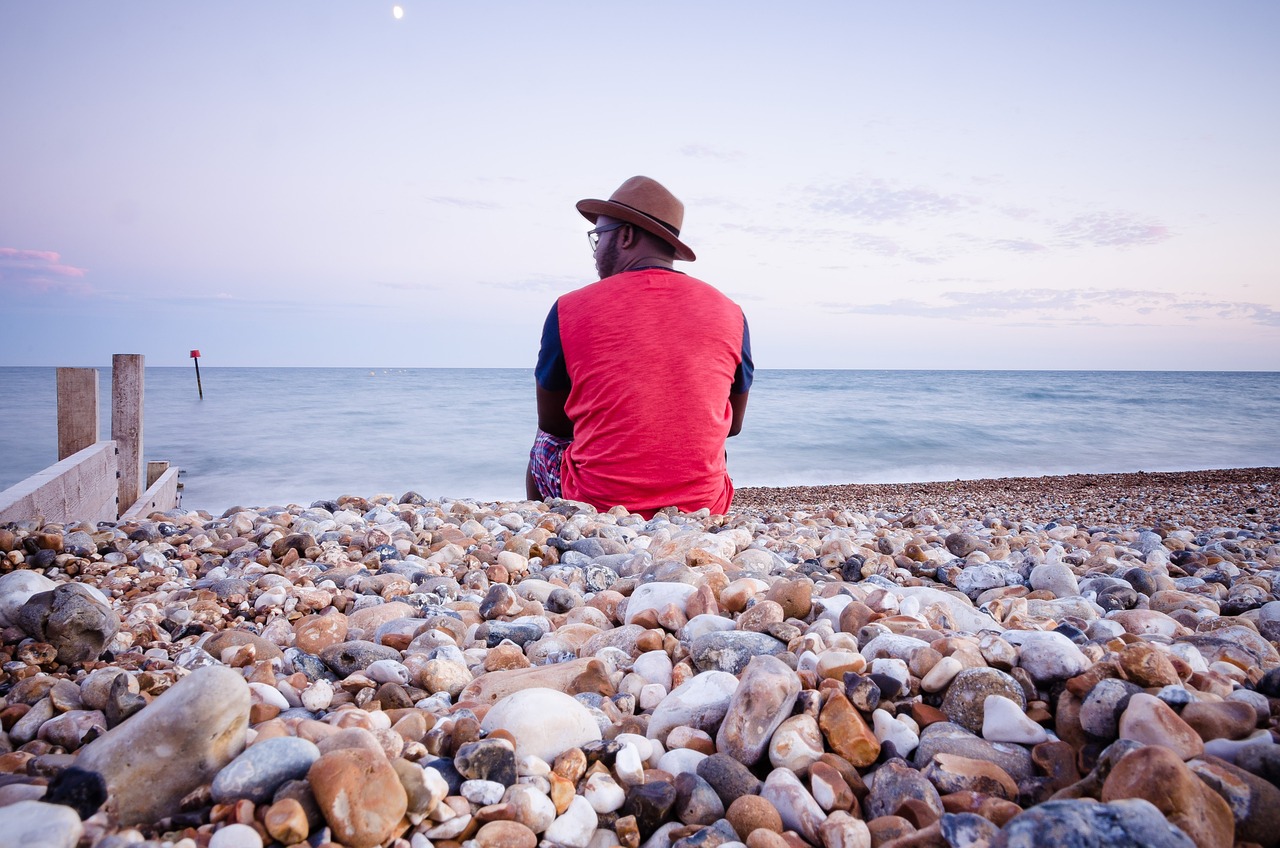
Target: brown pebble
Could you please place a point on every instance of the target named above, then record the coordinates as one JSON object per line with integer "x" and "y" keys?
{"x": 286, "y": 821}
{"x": 886, "y": 828}
{"x": 847, "y": 732}
{"x": 749, "y": 813}
{"x": 505, "y": 834}
{"x": 628, "y": 831}
{"x": 848, "y": 772}
{"x": 562, "y": 792}
{"x": 998, "y": 811}
{"x": 1147, "y": 665}
{"x": 761, "y": 838}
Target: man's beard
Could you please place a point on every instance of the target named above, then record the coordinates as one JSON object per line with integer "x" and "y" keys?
{"x": 607, "y": 259}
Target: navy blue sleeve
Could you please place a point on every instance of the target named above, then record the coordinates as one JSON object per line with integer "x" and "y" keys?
{"x": 746, "y": 371}
{"x": 551, "y": 372}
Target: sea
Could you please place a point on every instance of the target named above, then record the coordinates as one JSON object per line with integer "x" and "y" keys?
{"x": 274, "y": 436}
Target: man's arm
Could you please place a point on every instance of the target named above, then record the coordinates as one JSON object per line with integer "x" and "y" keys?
{"x": 551, "y": 415}
{"x": 738, "y": 403}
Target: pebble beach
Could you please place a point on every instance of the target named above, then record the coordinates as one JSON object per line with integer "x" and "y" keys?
{"x": 1087, "y": 660}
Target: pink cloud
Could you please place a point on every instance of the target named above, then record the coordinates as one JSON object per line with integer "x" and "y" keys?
{"x": 39, "y": 272}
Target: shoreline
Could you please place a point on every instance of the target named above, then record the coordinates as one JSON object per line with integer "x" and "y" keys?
{"x": 1222, "y": 496}
{"x": 888, "y": 664}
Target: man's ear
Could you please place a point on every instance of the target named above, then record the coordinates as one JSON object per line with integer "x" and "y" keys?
{"x": 628, "y": 236}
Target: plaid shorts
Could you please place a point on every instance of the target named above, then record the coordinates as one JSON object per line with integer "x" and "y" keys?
{"x": 544, "y": 462}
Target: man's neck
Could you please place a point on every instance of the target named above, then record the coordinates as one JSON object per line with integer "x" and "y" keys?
{"x": 645, "y": 262}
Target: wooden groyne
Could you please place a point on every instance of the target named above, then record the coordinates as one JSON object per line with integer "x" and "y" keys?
{"x": 96, "y": 480}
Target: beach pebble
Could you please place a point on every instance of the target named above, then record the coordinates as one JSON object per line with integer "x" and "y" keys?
{"x": 1151, "y": 721}
{"x": 1004, "y": 721}
{"x": 700, "y": 702}
{"x": 796, "y": 807}
{"x": 575, "y": 826}
{"x": 966, "y": 697}
{"x": 767, "y": 689}
{"x": 34, "y": 823}
{"x": 235, "y": 836}
{"x": 152, "y": 761}
{"x": 262, "y": 767}
{"x": 1047, "y": 655}
{"x": 543, "y": 722}
{"x": 1157, "y": 774}
{"x": 359, "y": 794}
{"x": 16, "y": 588}
{"x": 796, "y": 743}
{"x": 1133, "y": 823}
{"x": 414, "y": 672}
{"x": 73, "y": 618}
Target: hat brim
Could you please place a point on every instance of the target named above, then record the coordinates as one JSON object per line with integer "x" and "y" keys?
{"x": 592, "y": 209}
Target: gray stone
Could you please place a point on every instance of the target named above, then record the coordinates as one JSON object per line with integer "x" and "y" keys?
{"x": 487, "y": 759}
{"x": 1055, "y": 577}
{"x": 730, "y": 650}
{"x": 1087, "y": 824}
{"x": 895, "y": 783}
{"x": 971, "y": 687}
{"x": 1102, "y": 707}
{"x": 728, "y": 777}
{"x": 973, "y": 580}
{"x": 967, "y": 830}
{"x": 947, "y": 738}
{"x": 176, "y": 744}
{"x": 258, "y": 772}
{"x": 696, "y": 800}
{"x": 71, "y": 617}
{"x": 346, "y": 658}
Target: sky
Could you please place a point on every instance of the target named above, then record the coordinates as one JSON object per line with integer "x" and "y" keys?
{"x": 986, "y": 185}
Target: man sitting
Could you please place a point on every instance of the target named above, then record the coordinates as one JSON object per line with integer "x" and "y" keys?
{"x": 643, "y": 375}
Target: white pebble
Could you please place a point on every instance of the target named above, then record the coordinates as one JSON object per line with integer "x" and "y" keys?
{"x": 575, "y": 827}
{"x": 236, "y": 836}
{"x": 1004, "y": 721}
{"x": 887, "y": 728}
{"x": 482, "y": 792}
{"x": 941, "y": 674}
{"x": 387, "y": 671}
{"x": 603, "y": 793}
{"x": 629, "y": 766}
{"x": 318, "y": 695}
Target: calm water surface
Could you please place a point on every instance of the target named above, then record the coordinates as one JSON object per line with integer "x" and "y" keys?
{"x": 294, "y": 435}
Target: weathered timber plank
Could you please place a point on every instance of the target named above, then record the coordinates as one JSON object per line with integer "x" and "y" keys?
{"x": 154, "y": 469}
{"x": 77, "y": 410}
{"x": 161, "y": 496}
{"x": 81, "y": 487}
{"x": 126, "y": 422}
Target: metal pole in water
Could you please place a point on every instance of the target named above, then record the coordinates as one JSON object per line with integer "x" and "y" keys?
{"x": 195, "y": 356}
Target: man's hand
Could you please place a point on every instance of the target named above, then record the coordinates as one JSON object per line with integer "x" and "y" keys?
{"x": 552, "y": 418}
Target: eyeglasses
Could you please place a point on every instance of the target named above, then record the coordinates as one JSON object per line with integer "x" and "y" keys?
{"x": 593, "y": 236}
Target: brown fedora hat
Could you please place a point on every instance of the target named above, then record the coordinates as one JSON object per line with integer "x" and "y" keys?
{"x": 646, "y": 203}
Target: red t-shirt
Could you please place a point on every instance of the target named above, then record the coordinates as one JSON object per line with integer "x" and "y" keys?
{"x": 651, "y": 357}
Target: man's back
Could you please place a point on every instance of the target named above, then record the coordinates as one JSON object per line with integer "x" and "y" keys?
{"x": 642, "y": 376}
{"x": 651, "y": 357}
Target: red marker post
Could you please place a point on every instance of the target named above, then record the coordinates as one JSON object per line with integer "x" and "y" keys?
{"x": 195, "y": 357}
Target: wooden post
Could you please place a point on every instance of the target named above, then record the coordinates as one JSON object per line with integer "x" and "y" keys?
{"x": 195, "y": 357}
{"x": 126, "y": 424}
{"x": 155, "y": 468}
{"x": 77, "y": 410}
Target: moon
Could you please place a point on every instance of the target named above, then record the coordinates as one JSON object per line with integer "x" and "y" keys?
{"x": 397, "y": 12}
